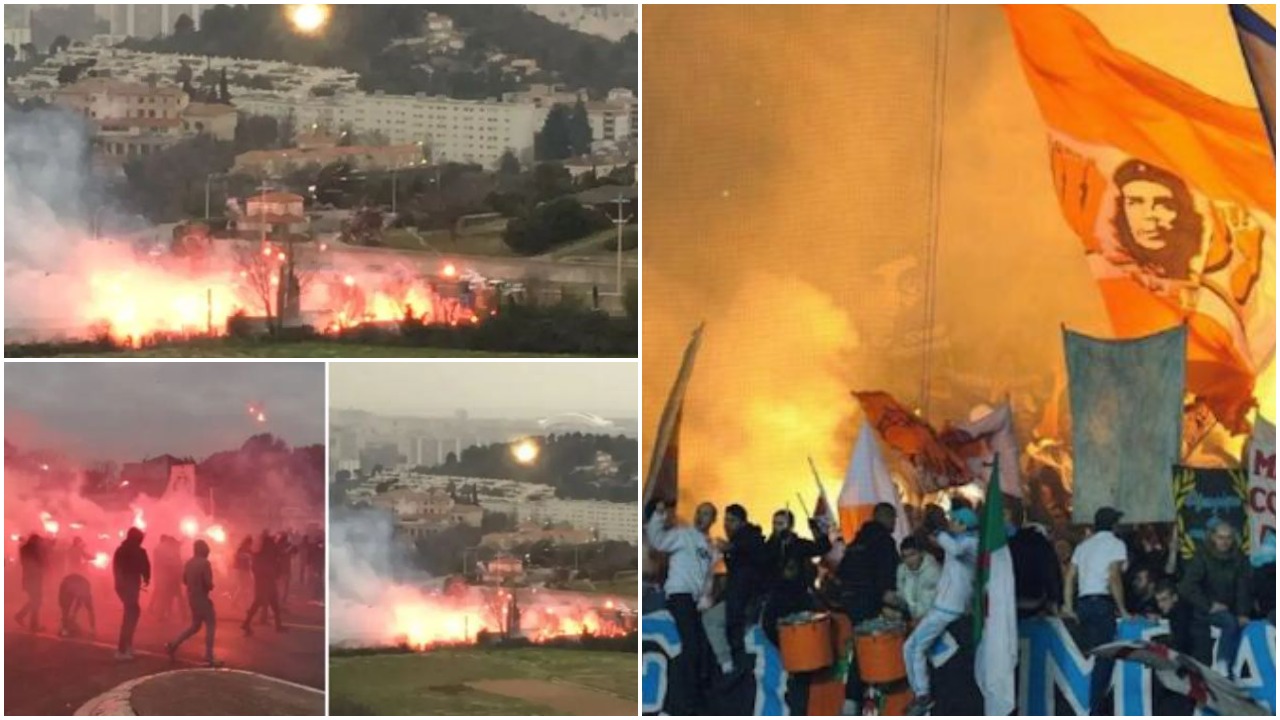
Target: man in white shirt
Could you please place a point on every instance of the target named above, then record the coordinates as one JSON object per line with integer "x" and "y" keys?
{"x": 917, "y": 579}
{"x": 1097, "y": 571}
{"x": 955, "y": 590}
{"x": 689, "y": 565}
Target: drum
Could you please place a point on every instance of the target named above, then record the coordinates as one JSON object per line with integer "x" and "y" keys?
{"x": 879, "y": 651}
{"x": 804, "y": 640}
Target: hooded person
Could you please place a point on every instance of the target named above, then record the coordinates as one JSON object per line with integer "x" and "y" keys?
{"x": 34, "y": 559}
{"x": 266, "y": 589}
{"x": 75, "y": 594}
{"x": 744, "y": 562}
{"x": 131, "y": 569}
{"x": 197, "y": 576}
{"x": 959, "y": 544}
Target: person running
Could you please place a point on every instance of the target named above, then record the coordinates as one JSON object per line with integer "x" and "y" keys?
{"x": 959, "y": 545}
{"x": 242, "y": 565}
{"x": 34, "y": 560}
{"x": 74, "y": 595}
{"x": 266, "y": 592}
{"x": 131, "y": 569}
{"x": 197, "y": 575}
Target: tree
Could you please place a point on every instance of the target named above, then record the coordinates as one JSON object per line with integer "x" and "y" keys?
{"x": 60, "y": 43}
{"x": 508, "y": 164}
{"x": 184, "y": 25}
{"x": 256, "y": 132}
{"x": 259, "y": 272}
{"x": 555, "y": 141}
{"x": 552, "y": 223}
{"x": 68, "y": 74}
{"x": 29, "y": 51}
{"x": 579, "y": 130}
{"x": 224, "y": 95}
{"x": 184, "y": 74}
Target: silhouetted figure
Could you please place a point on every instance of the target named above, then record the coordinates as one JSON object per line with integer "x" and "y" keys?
{"x": 34, "y": 559}
{"x": 132, "y": 571}
{"x": 74, "y": 595}
{"x": 197, "y": 575}
{"x": 266, "y": 592}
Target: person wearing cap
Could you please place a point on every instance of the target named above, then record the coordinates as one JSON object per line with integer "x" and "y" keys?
{"x": 959, "y": 543}
{"x": 1216, "y": 584}
{"x": 1095, "y": 596}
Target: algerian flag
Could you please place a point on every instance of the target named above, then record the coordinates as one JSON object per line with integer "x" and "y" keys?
{"x": 995, "y": 615}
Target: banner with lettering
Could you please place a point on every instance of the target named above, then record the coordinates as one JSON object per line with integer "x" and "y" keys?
{"x": 1260, "y": 461}
{"x": 1203, "y": 495}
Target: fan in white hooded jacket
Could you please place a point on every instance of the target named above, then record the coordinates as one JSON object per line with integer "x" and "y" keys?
{"x": 690, "y": 555}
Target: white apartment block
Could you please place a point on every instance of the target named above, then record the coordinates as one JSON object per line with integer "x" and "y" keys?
{"x": 147, "y": 21}
{"x": 609, "y": 520}
{"x": 474, "y": 131}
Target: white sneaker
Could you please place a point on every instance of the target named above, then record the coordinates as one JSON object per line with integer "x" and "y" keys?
{"x": 122, "y": 656}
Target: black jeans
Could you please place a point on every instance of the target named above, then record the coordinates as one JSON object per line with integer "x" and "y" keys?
{"x": 1097, "y": 614}
{"x": 685, "y": 678}
{"x": 132, "y": 611}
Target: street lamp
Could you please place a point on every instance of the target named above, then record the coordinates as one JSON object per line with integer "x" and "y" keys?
{"x": 208, "y": 180}
{"x": 620, "y": 221}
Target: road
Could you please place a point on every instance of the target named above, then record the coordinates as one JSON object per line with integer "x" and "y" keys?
{"x": 47, "y": 675}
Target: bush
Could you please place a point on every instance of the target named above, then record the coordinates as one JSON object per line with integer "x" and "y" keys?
{"x": 551, "y": 224}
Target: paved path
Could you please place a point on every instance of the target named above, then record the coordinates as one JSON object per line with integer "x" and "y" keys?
{"x": 204, "y": 691}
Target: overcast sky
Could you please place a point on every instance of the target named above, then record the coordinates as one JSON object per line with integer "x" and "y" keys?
{"x": 486, "y": 389}
{"x": 127, "y": 410}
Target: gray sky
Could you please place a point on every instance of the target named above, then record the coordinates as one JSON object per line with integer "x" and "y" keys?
{"x": 486, "y": 389}
{"x": 126, "y": 410}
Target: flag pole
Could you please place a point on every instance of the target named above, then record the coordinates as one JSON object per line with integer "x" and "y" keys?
{"x": 666, "y": 426}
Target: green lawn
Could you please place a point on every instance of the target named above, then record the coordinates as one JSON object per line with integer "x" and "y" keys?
{"x": 313, "y": 349}
{"x": 625, "y": 588}
{"x": 434, "y": 683}
{"x": 478, "y": 243}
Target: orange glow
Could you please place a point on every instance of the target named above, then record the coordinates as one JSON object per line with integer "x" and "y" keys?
{"x": 525, "y": 452}
{"x": 308, "y": 19}
{"x": 349, "y": 281}
{"x": 50, "y": 525}
{"x": 138, "y": 522}
{"x": 189, "y": 527}
{"x": 216, "y": 533}
{"x": 449, "y": 270}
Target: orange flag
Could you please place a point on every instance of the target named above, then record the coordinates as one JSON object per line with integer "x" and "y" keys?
{"x": 1172, "y": 192}
{"x": 938, "y": 466}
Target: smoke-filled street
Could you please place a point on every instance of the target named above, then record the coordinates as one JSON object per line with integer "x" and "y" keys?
{"x": 150, "y": 512}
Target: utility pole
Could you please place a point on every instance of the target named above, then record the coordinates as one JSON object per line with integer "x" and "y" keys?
{"x": 620, "y": 220}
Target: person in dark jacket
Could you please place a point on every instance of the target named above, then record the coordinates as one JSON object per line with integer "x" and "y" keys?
{"x": 132, "y": 571}
{"x": 790, "y": 571}
{"x": 744, "y": 561}
{"x": 266, "y": 591}
{"x": 34, "y": 559}
{"x": 1216, "y": 584}
{"x": 1178, "y": 613}
{"x": 868, "y": 575}
{"x": 869, "y": 569}
{"x": 1037, "y": 574}
{"x": 75, "y": 594}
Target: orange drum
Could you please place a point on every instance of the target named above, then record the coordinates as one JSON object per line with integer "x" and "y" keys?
{"x": 804, "y": 640}
{"x": 842, "y": 635}
{"x": 879, "y": 651}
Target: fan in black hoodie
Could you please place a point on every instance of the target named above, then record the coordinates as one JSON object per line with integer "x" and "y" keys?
{"x": 132, "y": 570}
{"x": 744, "y": 561}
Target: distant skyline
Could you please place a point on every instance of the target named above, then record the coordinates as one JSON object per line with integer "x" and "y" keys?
{"x": 514, "y": 390}
{"x": 128, "y": 411}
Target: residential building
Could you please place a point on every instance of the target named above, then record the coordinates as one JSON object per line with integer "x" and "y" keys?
{"x": 360, "y": 157}
{"x": 603, "y": 520}
{"x": 213, "y": 119}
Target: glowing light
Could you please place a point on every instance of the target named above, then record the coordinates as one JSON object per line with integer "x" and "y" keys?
{"x": 44, "y": 466}
{"x": 349, "y": 281}
{"x": 189, "y": 527}
{"x": 280, "y": 257}
{"x": 449, "y": 270}
{"x": 308, "y": 19}
{"x": 216, "y": 533}
{"x": 525, "y": 452}
{"x": 138, "y": 522}
{"x": 100, "y": 560}
{"x": 15, "y": 537}
{"x": 266, "y": 250}
{"x": 50, "y": 525}
{"x": 262, "y": 417}
{"x": 75, "y": 525}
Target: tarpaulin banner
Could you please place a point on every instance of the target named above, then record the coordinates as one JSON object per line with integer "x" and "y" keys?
{"x": 1126, "y": 422}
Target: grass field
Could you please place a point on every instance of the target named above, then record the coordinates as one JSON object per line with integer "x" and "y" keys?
{"x": 439, "y": 682}
{"x": 625, "y": 588}
{"x": 478, "y": 243}
{"x": 314, "y": 349}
